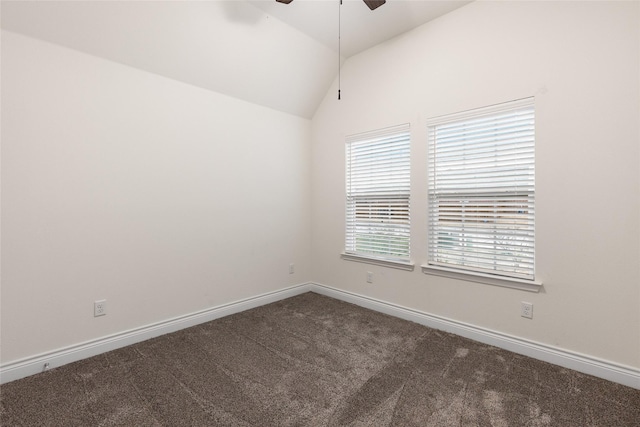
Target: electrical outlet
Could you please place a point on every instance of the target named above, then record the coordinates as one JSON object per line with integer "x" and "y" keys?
{"x": 100, "y": 308}
{"x": 292, "y": 268}
{"x": 526, "y": 310}
{"x": 369, "y": 277}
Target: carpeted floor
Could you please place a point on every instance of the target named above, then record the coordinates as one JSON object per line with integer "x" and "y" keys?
{"x": 314, "y": 361}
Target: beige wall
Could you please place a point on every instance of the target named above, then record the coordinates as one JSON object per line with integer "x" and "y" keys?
{"x": 118, "y": 184}
{"x": 166, "y": 199}
{"x": 581, "y": 62}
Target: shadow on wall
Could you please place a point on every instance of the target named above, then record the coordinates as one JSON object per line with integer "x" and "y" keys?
{"x": 241, "y": 12}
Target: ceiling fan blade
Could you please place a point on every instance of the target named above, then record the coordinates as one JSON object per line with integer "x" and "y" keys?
{"x": 373, "y": 4}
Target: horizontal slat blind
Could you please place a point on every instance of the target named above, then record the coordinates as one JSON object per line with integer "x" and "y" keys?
{"x": 378, "y": 186}
{"x": 481, "y": 190}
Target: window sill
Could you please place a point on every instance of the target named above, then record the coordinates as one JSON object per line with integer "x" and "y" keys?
{"x": 408, "y": 266}
{"x": 507, "y": 282}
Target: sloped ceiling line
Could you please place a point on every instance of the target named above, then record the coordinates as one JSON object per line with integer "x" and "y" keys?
{"x": 280, "y": 56}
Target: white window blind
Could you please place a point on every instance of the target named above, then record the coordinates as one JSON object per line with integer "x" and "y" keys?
{"x": 378, "y": 184}
{"x": 481, "y": 190}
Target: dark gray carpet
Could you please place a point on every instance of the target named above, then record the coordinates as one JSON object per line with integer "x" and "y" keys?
{"x": 314, "y": 361}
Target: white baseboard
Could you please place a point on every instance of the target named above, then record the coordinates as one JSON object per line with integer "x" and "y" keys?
{"x": 582, "y": 363}
{"x": 32, "y": 365}
{"x": 607, "y": 370}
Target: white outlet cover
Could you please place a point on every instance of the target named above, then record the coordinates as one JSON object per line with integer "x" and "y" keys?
{"x": 100, "y": 308}
{"x": 526, "y": 310}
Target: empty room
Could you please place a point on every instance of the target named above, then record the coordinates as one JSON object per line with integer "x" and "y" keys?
{"x": 320, "y": 213}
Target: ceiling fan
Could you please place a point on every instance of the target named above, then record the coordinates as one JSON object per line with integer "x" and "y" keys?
{"x": 373, "y": 4}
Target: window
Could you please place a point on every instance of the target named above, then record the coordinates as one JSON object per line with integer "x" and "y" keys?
{"x": 481, "y": 191}
{"x": 377, "y": 188}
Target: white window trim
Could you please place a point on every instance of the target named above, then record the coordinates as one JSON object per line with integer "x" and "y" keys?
{"x": 488, "y": 279}
{"x": 382, "y": 260}
{"x": 460, "y": 273}
{"x": 400, "y": 265}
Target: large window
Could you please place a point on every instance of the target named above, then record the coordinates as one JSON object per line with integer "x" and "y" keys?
{"x": 377, "y": 188}
{"x": 481, "y": 191}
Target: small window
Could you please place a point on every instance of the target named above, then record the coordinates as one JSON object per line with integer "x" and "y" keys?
{"x": 482, "y": 189}
{"x": 377, "y": 189}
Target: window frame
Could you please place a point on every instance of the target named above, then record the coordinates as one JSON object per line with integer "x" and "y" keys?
{"x": 378, "y": 190}
{"x": 478, "y": 201}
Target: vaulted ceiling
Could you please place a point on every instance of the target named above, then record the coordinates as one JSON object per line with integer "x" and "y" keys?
{"x": 280, "y": 56}
{"x": 360, "y": 28}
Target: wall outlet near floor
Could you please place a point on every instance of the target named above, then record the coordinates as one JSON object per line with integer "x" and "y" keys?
{"x": 292, "y": 268}
{"x": 369, "y": 277}
{"x": 100, "y": 308}
{"x": 526, "y": 310}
